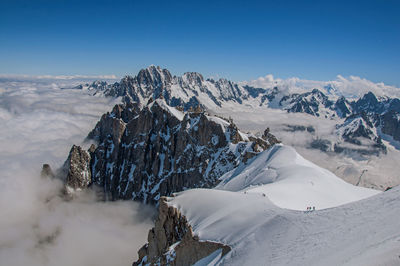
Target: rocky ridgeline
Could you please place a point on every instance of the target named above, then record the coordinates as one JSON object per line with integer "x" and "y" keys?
{"x": 143, "y": 154}
{"x": 376, "y": 118}
{"x": 370, "y": 118}
{"x": 187, "y": 91}
{"x": 77, "y": 164}
{"x": 172, "y": 242}
{"x": 365, "y": 121}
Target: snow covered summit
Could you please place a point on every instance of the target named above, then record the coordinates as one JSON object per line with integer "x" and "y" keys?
{"x": 260, "y": 233}
{"x": 143, "y": 154}
{"x": 291, "y": 182}
{"x": 251, "y": 218}
{"x": 326, "y": 100}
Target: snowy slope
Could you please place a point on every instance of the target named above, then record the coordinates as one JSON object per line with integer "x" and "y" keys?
{"x": 354, "y": 149}
{"x": 292, "y": 182}
{"x": 254, "y": 210}
{"x": 260, "y": 233}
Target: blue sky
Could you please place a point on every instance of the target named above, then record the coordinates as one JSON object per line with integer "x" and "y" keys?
{"x": 239, "y": 40}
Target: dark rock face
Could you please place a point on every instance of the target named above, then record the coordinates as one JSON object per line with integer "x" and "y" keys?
{"x": 390, "y": 122}
{"x": 357, "y": 129}
{"x": 47, "y": 171}
{"x": 309, "y": 102}
{"x": 267, "y": 96}
{"x": 294, "y": 128}
{"x": 321, "y": 144}
{"x": 77, "y": 168}
{"x": 343, "y": 107}
{"x": 254, "y": 92}
{"x": 194, "y": 78}
{"x": 191, "y": 91}
{"x": 366, "y": 118}
{"x": 170, "y": 228}
{"x": 112, "y": 125}
{"x": 155, "y": 83}
{"x": 357, "y": 126}
{"x": 368, "y": 103}
{"x": 372, "y": 114}
{"x": 229, "y": 91}
{"x": 143, "y": 155}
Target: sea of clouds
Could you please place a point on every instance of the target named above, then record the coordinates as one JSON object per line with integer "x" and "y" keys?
{"x": 39, "y": 122}
{"x": 351, "y": 87}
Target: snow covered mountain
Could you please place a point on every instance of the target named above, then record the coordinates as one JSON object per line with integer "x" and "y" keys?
{"x": 242, "y": 198}
{"x": 187, "y": 91}
{"x": 260, "y": 233}
{"x": 142, "y": 154}
{"x": 359, "y": 130}
{"x": 290, "y": 181}
{"x": 192, "y": 90}
{"x": 341, "y": 124}
{"x": 258, "y": 215}
{"x": 314, "y": 103}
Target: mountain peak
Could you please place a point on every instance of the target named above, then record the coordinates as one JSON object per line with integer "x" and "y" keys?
{"x": 193, "y": 78}
{"x": 370, "y": 96}
{"x": 154, "y": 72}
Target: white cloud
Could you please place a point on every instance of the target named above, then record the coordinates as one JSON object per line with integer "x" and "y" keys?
{"x": 377, "y": 171}
{"x": 352, "y": 86}
{"x": 39, "y": 123}
{"x": 56, "y": 77}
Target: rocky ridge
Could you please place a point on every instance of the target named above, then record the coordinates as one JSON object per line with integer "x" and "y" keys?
{"x": 77, "y": 168}
{"x": 172, "y": 242}
{"x": 192, "y": 90}
{"x": 187, "y": 91}
{"x": 143, "y": 154}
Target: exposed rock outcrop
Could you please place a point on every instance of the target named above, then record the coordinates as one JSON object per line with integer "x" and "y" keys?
{"x": 156, "y": 83}
{"x": 153, "y": 152}
{"x": 343, "y": 107}
{"x": 391, "y": 124}
{"x": 309, "y": 102}
{"x": 192, "y": 90}
{"x": 47, "y": 171}
{"x": 77, "y": 168}
{"x": 172, "y": 242}
{"x": 359, "y": 130}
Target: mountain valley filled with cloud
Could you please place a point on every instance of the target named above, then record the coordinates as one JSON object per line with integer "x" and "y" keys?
{"x": 44, "y": 117}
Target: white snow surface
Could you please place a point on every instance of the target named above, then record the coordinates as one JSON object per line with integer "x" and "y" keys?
{"x": 372, "y": 171}
{"x": 292, "y": 182}
{"x": 260, "y": 233}
{"x": 172, "y": 110}
{"x": 254, "y": 210}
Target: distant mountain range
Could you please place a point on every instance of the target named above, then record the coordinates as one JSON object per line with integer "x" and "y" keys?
{"x": 163, "y": 139}
{"x": 143, "y": 154}
{"x": 361, "y": 123}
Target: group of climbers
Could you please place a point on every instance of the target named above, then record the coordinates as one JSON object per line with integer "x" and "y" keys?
{"x": 310, "y": 209}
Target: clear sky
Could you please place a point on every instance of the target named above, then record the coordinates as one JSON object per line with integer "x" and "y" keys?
{"x": 238, "y": 40}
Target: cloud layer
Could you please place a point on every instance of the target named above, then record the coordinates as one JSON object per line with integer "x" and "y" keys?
{"x": 40, "y": 122}
{"x": 376, "y": 171}
{"x": 351, "y": 86}
{"x": 56, "y": 78}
